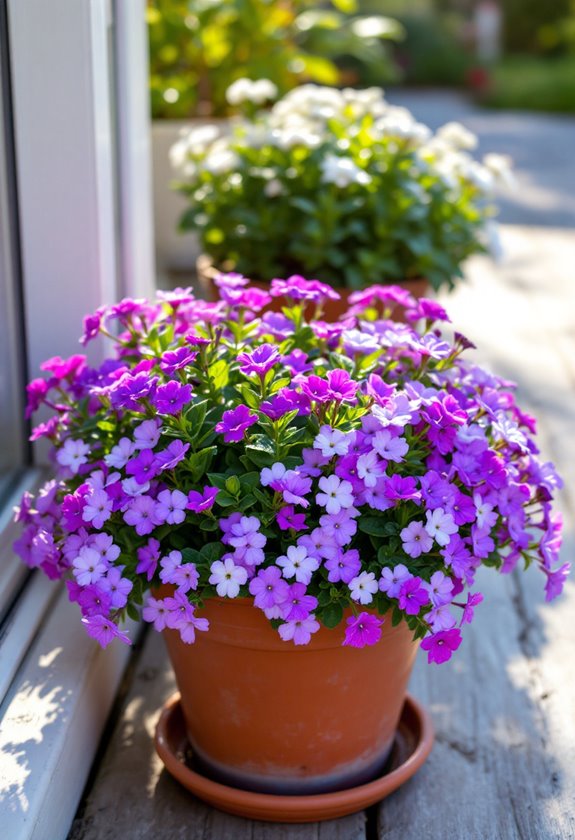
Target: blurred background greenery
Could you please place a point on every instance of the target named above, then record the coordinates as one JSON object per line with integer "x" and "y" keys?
{"x": 198, "y": 47}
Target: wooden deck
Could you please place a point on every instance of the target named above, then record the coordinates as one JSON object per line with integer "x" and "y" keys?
{"x": 503, "y": 765}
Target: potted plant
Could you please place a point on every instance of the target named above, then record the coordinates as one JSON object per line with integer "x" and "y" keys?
{"x": 198, "y": 49}
{"x": 341, "y": 186}
{"x": 296, "y": 505}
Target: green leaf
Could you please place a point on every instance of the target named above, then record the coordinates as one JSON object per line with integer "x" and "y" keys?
{"x": 233, "y": 485}
{"x": 219, "y": 374}
{"x": 208, "y": 524}
{"x": 198, "y": 462}
{"x": 332, "y": 615}
{"x": 210, "y": 552}
{"x": 372, "y": 525}
{"x": 396, "y": 617}
{"x": 190, "y": 555}
{"x": 133, "y": 612}
{"x": 195, "y": 417}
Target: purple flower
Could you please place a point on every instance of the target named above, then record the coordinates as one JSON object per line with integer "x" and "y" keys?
{"x": 248, "y": 541}
{"x": 412, "y": 596}
{"x": 89, "y": 566}
{"x": 148, "y": 556}
{"x": 171, "y": 506}
{"x": 199, "y": 502}
{"x": 398, "y": 488}
{"x": 175, "y": 360}
{"x": 392, "y": 580}
{"x": 92, "y": 324}
{"x": 143, "y": 467}
{"x": 556, "y": 581}
{"x": 186, "y": 577}
{"x": 97, "y": 508}
{"x": 93, "y": 600}
{"x": 171, "y": 456}
{"x": 341, "y": 386}
{"x": 344, "y": 566}
{"x": 440, "y": 589}
{"x": 287, "y": 518}
{"x": 235, "y": 422}
{"x": 260, "y": 360}
{"x": 129, "y": 390}
{"x": 172, "y": 397}
{"x": 156, "y": 612}
{"x": 117, "y": 587}
{"x": 441, "y": 646}
{"x": 339, "y": 527}
{"x": 268, "y": 588}
{"x": 147, "y": 434}
{"x": 103, "y": 630}
{"x": 415, "y": 539}
{"x": 363, "y": 630}
{"x": 296, "y": 605}
{"x": 141, "y": 515}
{"x": 473, "y": 599}
{"x": 298, "y": 288}
{"x": 294, "y": 487}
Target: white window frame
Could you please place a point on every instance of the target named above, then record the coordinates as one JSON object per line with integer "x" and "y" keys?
{"x": 81, "y": 129}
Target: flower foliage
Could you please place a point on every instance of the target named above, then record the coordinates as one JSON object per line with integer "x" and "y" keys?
{"x": 348, "y": 175}
{"x": 360, "y": 470}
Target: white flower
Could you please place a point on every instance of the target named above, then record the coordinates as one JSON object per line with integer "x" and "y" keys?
{"x": 131, "y": 487}
{"x": 331, "y": 442}
{"x": 440, "y": 526}
{"x": 246, "y": 90}
{"x": 363, "y": 587}
{"x": 273, "y": 473}
{"x": 296, "y": 136}
{"x": 274, "y": 188}
{"x": 88, "y": 566}
{"x": 337, "y": 494}
{"x": 457, "y": 135}
{"x": 227, "y": 577}
{"x": 298, "y": 564}
{"x": 73, "y": 454}
{"x": 500, "y": 168}
{"x": 120, "y": 454}
{"x": 342, "y": 172}
{"x": 369, "y": 467}
{"x": 220, "y": 161}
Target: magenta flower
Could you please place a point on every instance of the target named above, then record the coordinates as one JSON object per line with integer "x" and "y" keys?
{"x": 174, "y": 360}
{"x": 199, "y": 502}
{"x": 413, "y": 596}
{"x": 103, "y": 630}
{"x": 362, "y": 630}
{"x": 287, "y": 518}
{"x": 473, "y": 599}
{"x": 234, "y": 423}
{"x": 93, "y": 600}
{"x": 441, "y": 646}
{"x": 144, "y": 466}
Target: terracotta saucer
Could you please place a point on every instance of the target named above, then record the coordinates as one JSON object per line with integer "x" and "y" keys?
{"x": 413, "y": 742}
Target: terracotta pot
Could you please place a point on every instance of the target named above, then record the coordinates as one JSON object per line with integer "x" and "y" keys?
{"x": 266, "y": 715}
{"x": 333, "y": 309}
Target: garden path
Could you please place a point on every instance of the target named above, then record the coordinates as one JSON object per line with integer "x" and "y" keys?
{"x": 503, "y": 765}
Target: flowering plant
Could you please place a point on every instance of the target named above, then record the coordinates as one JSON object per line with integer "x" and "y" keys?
{"x": 360, "y": 470}
{"x": 361, "y": 188}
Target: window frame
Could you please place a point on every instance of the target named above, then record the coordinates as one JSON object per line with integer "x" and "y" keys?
{"x": 78, "y": 75}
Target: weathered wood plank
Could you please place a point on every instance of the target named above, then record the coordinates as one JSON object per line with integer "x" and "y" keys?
{"x": 503, "y": 764}
{"x": 135, "y": 798}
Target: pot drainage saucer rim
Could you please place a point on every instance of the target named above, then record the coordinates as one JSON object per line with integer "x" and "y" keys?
{"x": 412, "y": 745}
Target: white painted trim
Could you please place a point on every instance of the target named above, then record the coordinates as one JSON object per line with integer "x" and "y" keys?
{"x": 134, "y": 148}
{"x": 21, "y": 625}
{"x": 52, "y": 721}
{"x": 65, "y": 158}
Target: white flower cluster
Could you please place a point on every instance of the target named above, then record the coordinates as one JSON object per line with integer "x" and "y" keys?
{"x": 313, "y": 117}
